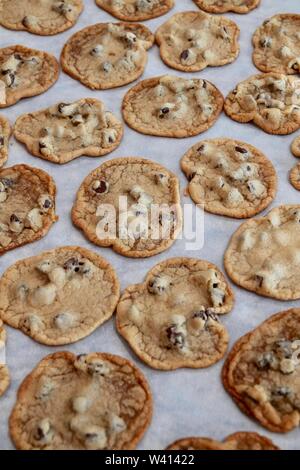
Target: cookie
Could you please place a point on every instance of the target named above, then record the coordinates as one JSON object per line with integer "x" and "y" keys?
{"x": 4, "y": 373}
{"x": 27, "y": 205}
{"x": 5, "y": 132}
{"x": 191, "y": 41}
{"x": 229, "y": 177}
{"x": 236, "y": 441}
{"x": 270, "y": 100}
{"x": 262, "y": 255}
{"x": 169, "y": 106}
{"x": 296, "y": 146}
{"x": 129, "y": 204}
{"x": 277, "y": 44}
{"x": 171, "y": 320}
{"x": 107, "y": 55}
{"x": 68, "y": 130}
{"x": 44, "y": 17}
{"x": 25, "y": 72}
{"x": 295, "y": 176}
{"x": 136, "y": 10}
{"x": 261, "y": 372}
{"x": 59, "y": 296}
{"x": 224, "y": 6}
{"x": 90, "y": 402}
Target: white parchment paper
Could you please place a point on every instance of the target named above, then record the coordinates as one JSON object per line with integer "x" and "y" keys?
{"x": 186, "y": 402}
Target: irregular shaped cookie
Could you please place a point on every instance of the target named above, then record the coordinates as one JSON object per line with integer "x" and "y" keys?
{"x": 171, "y": 106}
{"x": 229, "y": 177}
{"x": 44, "y": 17}
{"x": 136, "y": 10}
{"x": 191, "y": 41}
{"x": 107, "y": 55}
{"x": 263, "y": 254}
{"x": 223, "y": 6}
{"x": 296, "y": 147}
{"x": 59, "y": 296}
{"x": 277, "y": 44}
{"x": 270, "y": 100}
{"x": 5, "y": 132}
{"x": 4, "y": 373}
{"x": 90, "y": 402}
{"x": 295, "y": 176}
{"x": 25, "y": 72}
{"x": 236, "y": 441}
{"x": 68, "y": 130}
{"x": 130, "y": 204}
{"x": 171, "y": 320}
{"x": 262, "y": 371}
{"x": 27, "y": 205}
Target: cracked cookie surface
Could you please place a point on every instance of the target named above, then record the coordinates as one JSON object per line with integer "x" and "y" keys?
{"x": 294, "y": 176}
{"x": 44, "y": 17}
{"x": 263, "y": 254}
{"x": 4, "y": 373}
{"x": 27, "y": 205}
{"x": 136, "y": 10}
{"x": 25, "y": 72}
{"x": 88, "y": 402}
{"x": 68, "y": 130}
{"x": 107, "y": 55}
{"x": 270, "y": 100}
{"x": 229, "y": 177}
{"x": 171, "y": 106}
{"x": 262, "y": 371}
{"x": 59, "y": 296}
{"x": 147, "y": 218}
{"x": 191, "y": 41}
{"x": 224, "y": 6}
{"x": 295, "y": 147}
{"x": 171, "y": 320}
{"x": 236, "y": 441}
{"x": 277, "y": 44}
{"x": 5, "y": 132}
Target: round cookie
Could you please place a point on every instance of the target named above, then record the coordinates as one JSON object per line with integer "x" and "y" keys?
{"x": 136, "y": 10}
{"x": 295, "y": 176}
{"x": 277, "y": 44}
{"x": 191, "y": 41}
{"x": 59, "y": 296}
{"x": 229, "y": 177}
{"x": 25, "y": 72}
{"x": 236, "y": 441}
{"x": 129, "y": 204}
{"x": 88, "y": 402}
{"x": 261, "y": 373}
{"x": 224, "y": 6}
{"x": 107, "y": 55}
{"x": 5, "y": 132}
{"x": 270, "y": 100}
{"x": 4, "y": 373}
{"x": 45, "y": 17}
{"x": 262, "y": 255}
{"x": 171, "y": 320}
{"x": 296, "y": 146}
{"x": 169, "y": 106}
{"x": 27, "y": 205}
{"x": 66, "y": 131}
{"x": 196, "y": 443}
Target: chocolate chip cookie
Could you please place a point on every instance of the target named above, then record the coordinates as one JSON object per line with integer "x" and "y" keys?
{"x": 191, "y": 41}
{"x": 262, "y": 370}
{"x": 271, "y": 101}
{"x": 68, "y": 130}
{"x": 90, "y": 402}
{"x": 236, "y": 441}
{"x": 224, "y": 6}
{"x": 25, "y": 72}
{"x": 107, "y": 55}
{"x": 171, "y": 106}
{"x": 294, "y": 176}
{"x": 136, "y": 10}
{"x": 44, "y": 17}
{"x": 277, "y": 44}
{"x": 4, "y": 373}
{"x": 129, "y": 204}
{"x": 171, "y": 320}
{"x": 262, "y": 255}
{"x": 296, "y": 146}
{"x": 229, "y": 177}
{"x": 27, "y": 205}
{"x": 59, "y": 296}
{"x": 5, "y": 132}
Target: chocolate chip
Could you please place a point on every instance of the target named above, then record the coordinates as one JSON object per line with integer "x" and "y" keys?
{"x": 47, "y": 204}
{"x": 295, "y": 67}
{"x": 176, "y": 337}
{"x": 18, "y": 57}
{"x": 14, "y": 218}
{"x": 61, "y": 107}
{"x": 204, "y": 84}
{"x": 191, "y": 176}
{"x": 72, "y": 264}
{"x": 241, "y": 149}
{"x": 206, "y": 315}
{"x": 101, "y": 187}
{"x": 201, "y": 148}
{"x": 184, "y": 55}
{"x": 1, "y": 141}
